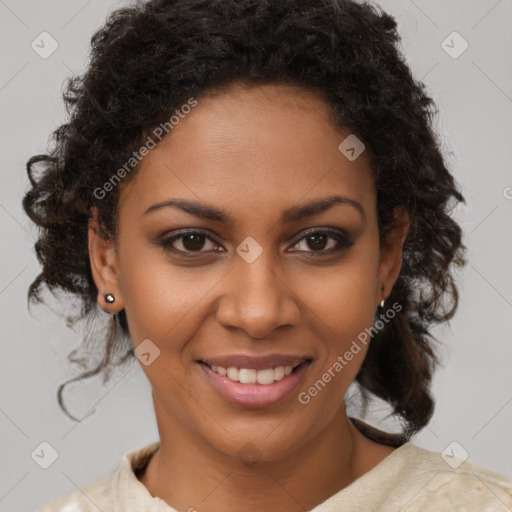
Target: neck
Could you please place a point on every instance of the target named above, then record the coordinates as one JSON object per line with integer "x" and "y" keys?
{"x": 187, "y": 473}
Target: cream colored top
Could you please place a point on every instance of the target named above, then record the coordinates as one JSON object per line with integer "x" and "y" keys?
{"x": 409, "y": 479}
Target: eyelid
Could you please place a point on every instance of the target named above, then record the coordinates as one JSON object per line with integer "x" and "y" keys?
{"x": 167, "y": 241}
{"x": 331, "y": 231}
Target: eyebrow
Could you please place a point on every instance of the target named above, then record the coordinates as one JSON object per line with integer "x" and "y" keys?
{"x": 293, "y": 214}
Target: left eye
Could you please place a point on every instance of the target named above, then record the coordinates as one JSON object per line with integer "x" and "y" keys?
{"x": 318, "y": 241}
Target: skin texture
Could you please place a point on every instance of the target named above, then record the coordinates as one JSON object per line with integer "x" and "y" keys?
{"x": 253, "y": 152}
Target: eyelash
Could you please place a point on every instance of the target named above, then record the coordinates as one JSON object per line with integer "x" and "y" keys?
{"x": 344, "y": 241}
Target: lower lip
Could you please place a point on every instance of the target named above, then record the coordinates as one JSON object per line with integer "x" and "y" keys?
{"x": 255, "y": 395}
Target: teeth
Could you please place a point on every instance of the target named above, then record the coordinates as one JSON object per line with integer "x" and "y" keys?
{"x": 279, "y": 373}
{"x": 246, "y": 376}
{"x": 232, "y": 373}
{"x": 251, "y": 376}
{"x": 265, "y": 377}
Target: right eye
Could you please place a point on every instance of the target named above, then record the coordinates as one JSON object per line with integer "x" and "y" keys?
{"x": 190, "y": 242}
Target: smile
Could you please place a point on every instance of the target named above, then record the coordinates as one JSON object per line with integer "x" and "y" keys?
{"x": 251, "y": 387}
{"x": 252, "y": 376}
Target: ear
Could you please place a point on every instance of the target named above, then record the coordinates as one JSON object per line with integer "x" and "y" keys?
{"x": 104, "y": 267}
{"x": 391, "y": 253}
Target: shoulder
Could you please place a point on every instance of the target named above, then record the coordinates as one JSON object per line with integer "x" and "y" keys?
{"x": 431, "y": 481}
{"x": 92, "y": 498}
{"x": 117, "y": 491}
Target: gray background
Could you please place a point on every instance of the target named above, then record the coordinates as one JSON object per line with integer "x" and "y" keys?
{"x": 473, "y": 390}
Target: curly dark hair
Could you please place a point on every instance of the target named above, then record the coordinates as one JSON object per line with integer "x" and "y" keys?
{"x": 148, "y": 59}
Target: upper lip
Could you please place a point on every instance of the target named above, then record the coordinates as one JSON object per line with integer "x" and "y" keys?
{"x": 256, "y": 363}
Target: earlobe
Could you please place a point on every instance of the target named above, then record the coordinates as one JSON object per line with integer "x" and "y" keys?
{"x": 391, "y": 253}
{"x": 103, "y": 260}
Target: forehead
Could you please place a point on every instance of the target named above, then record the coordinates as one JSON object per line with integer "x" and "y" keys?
{"x": 260, "y": 145}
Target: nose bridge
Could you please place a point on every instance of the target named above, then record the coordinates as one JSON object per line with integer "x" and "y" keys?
{"x": 257, "y": 300}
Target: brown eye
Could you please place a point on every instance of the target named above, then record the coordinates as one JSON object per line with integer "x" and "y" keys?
{"x": 188, "y": 242}
{"x": 193, "y": 242}
{"x": 318, "y": 242}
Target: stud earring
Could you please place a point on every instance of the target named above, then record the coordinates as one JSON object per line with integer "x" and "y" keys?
{"x": 109, "y": 298}
{"x": 382, "y": 303}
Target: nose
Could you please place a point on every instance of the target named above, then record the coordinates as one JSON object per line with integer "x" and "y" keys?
{"x": 257, "y": 299}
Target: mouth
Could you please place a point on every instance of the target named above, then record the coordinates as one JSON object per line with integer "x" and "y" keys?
{"x": 253, "y": 383}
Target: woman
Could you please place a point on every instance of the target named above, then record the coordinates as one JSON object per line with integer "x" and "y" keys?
{"x": 254, "y": 192}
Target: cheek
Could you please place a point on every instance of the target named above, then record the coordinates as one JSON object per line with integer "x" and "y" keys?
{"x": 344, "y": 296}
{"x": 163, "y": 302}
{"x": 347, "y": 314}
{"x": 342, "y": 310}
{"x": 350, "y": 305}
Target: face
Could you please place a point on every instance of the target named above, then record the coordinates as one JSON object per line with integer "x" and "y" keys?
{"x": 258, "y": 269}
